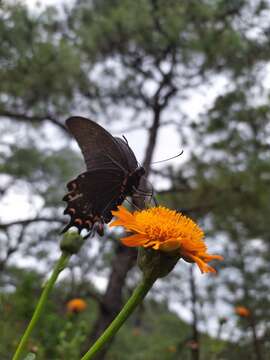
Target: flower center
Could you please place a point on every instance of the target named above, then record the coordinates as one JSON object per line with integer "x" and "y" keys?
{"x": 162, "y": 224}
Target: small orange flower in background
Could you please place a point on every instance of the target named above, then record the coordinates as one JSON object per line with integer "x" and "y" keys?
{"x": 172, "y": 349}
{"x": 76, "y": 305}
{"x": 136, "y": 331}
{"x": 163, "y": 229}
{"x": 242, "y": 311}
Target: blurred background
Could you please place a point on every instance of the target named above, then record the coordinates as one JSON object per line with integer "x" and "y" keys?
{"x": 170, "y": 75}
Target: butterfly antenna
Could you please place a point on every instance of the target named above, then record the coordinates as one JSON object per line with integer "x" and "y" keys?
{"x": 123, "y": 136}
{"x": 173, "y": 157}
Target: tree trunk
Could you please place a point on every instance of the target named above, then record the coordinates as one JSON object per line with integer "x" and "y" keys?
{"x": 257, "y": 350}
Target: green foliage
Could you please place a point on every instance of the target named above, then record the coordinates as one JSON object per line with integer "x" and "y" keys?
{"x": 36, "y": 62}
{"x": 17, "y": 308}
{"x": 62, "y": 336}
{"x": 71, "y": 339}
{"x": 127, "y": 60}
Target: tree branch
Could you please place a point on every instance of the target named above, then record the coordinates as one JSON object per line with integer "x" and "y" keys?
{"x": 32, "y": 118}
{"x": 29, "y": 221}
{"x": 158, "y": 105}
{"x": 11, "y": 248}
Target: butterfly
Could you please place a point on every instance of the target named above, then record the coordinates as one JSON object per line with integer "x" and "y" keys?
{"x": 112, "y": 173}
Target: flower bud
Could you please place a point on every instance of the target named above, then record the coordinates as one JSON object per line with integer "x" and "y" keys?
{"x": 71, "y": 242}
{"x": 156, "y": 264}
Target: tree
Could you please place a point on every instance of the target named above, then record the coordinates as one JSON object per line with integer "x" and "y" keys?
{"x": 136, "y": 62}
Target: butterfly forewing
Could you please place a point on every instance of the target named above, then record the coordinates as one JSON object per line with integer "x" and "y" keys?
{"x": 99, "y": 147}
{"x": 127, "y": 153}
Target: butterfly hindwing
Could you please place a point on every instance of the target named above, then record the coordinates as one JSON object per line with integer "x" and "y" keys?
{"x": 91, "y": 197}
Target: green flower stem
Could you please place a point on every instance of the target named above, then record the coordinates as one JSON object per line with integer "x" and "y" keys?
{"x": 60, "y": 265}
{"x": 137, "y": 296}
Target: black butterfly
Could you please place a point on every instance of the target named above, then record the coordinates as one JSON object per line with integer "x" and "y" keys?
{"x": 112, "y": 174}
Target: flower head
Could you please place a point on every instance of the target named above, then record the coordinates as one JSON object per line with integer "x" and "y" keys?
{"x": 160, "y": 228}
{"x": 136, "y": 331}
{"x": 242, "y": 311}
{"x": 76, "y": 305}
{"x": 172, "y": 349}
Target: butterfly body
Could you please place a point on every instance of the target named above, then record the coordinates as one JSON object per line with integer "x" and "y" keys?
{"x": 112, "y": 175}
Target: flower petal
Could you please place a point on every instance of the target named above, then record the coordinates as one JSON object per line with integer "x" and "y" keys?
{"x": 169, "y": 245}
{"x": 204, "y": 267}
{"x": 123, "y": 214}
{"x": 121, "y": 210}
{"x": 117, "y": 222}
{"x": 207, "y": 257}
{"x": 134, "y": 240}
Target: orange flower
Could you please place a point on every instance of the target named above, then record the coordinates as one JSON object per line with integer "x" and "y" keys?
{"x": 242, "y": 311}
{"x": 76, "y": 305}
{"x": 163, "y": 229}
{"x": 172, "y": 349}
{"x": 136, "y": 331}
